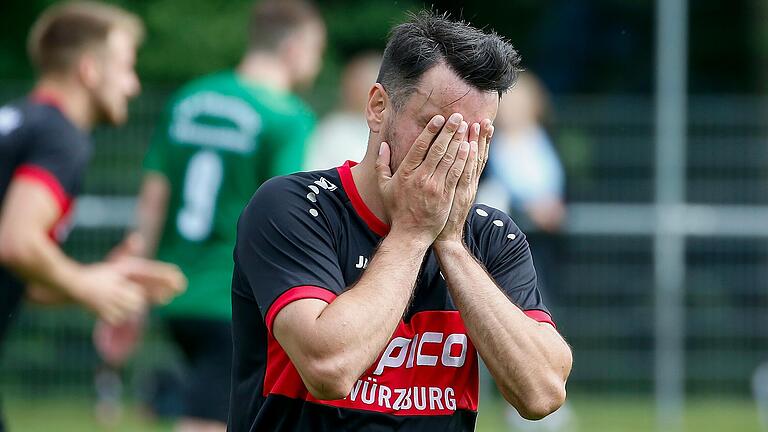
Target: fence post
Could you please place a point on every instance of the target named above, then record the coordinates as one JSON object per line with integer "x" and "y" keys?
{"x": 669, "y": 239}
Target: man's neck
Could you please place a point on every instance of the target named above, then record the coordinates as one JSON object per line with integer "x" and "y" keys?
{"x": 71, "y": 99}
{"x": 265, "y": 69}
{"x": 367, "y": 182}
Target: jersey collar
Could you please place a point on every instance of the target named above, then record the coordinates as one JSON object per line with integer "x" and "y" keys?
{"x": 46, "y": 97}
{"x": 348, "y": 183}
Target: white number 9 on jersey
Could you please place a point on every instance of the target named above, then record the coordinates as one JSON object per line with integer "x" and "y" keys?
{"x": 201, "y": 187}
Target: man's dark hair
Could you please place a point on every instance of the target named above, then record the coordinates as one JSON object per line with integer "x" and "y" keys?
{"x": 484, "y": 60}
{"x": 65, "y": 30}
{"x": 272, "y": 21}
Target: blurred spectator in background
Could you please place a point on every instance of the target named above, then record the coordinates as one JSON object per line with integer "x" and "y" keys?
{"x": 524, "y": 174}
{"x": 220, "y": 138}
{"x": 525, "y": 177}
{"x": 84, "y": 54}
{"x": 342, "y": 134}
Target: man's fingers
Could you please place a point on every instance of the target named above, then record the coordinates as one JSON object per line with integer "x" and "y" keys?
{"x": 483, "y": 144}
{"x": 474, "y": 133}
{"x": 130, "y": 299}
{"x": 159, "y": 281}
{"x": 159, "y": 277}
{"x": 440, "y": 146}
{"x": 471, "y": 174}
{"x": 382, "y": 163}
{"x": 488, "y": 145}
{"x": 110, "y": 316}
{"x": 451, "y": 153}
{"x": 114, "y": 314}
{"x": 419, "y": 149}
{"x": 455, "y": 173}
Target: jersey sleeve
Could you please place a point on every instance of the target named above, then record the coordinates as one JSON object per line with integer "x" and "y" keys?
{"x": 57, "y": 158}
{"x": 285, "y": 248}
{"x": 508, "y": 260}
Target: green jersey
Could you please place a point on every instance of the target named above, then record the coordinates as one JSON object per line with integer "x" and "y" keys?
{"x": 219, "y": 140}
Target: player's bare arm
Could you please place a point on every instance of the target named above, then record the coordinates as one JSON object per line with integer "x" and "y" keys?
{"x": 41, "y": 295}
{"x": 142, "y": 242}
{"x": 28, "y": 213}
{"x": 529, "y": 360}
{"x": 161, "y": 281}
{"x": 331, "y": 345}
{"x": 151, "y": 210}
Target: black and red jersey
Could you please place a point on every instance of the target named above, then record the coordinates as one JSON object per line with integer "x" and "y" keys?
{"x": 37, "y": 143}
{"x": 310, "y": 235}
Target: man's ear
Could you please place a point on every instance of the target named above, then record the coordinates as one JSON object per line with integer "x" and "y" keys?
{"x": 88, "y": 70}
{"x": 378, "y": 102}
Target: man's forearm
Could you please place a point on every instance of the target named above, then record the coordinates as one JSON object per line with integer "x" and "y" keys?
{"x": 348, "y": 334}
{"x": 529, "y": 361}
{"x": 360, "y": 322}
{"x": 39, "y": 261}
{"x": 151, "y": 211}
{"x": 43, "y": 295}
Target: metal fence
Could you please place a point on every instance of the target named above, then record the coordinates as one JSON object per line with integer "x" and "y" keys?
{"x": 603, "y": 295}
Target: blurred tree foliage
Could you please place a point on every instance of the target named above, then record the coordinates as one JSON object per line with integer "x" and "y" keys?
{"x": 189, "y": 38}
{"x": 192, "y": 37}
{"x": 583, "y": 46}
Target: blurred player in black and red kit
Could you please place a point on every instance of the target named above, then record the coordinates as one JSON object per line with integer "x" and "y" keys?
{"x": 85, "y": 54}
{"x": 362, "y": 295}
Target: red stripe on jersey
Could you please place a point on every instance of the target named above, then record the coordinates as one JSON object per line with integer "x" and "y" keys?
{"x": 46, "y": 97}
{"x": 429, "y": 367}
{"x": 348, "y": 183}
{"x": 41, "y": 175}
{"x": 540, "y": 316}
{"x": 293, "y": 294}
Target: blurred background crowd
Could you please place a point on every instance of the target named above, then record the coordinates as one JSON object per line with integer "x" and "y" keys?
{"x": 655, "y": 266}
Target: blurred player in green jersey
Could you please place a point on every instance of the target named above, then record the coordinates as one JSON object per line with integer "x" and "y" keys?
{"x": 220, "y": 138}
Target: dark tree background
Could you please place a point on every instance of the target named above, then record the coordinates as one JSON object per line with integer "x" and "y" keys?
{"x": 577, "y": 46}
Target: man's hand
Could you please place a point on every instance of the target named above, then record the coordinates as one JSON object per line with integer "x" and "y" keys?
{"x": 107, "y": 292}
{"x": 132, "y": 245}
{"x": 160, "y": 281}
{"x": 479, "y": 137}
{"x": 418, "y": 196}
{"x": 116, "y": 343}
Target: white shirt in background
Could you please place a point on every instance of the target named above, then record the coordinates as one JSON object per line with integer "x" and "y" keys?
{"x": 522, "y": 171}
{"x": 339, "y": 137}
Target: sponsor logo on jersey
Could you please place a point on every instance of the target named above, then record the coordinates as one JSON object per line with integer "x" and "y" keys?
{"x": 325, "y": 184}
{"x": 418, "y": 398}
{"x": 414, "y": 349}
{"x": 429, "y": 367}
{"x": 362, "y": 262}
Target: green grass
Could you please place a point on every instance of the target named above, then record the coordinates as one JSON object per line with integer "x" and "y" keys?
{"x": 592, "y": 414}
{"x": 634, "y": 414}
{"x": 63, "y": 415}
